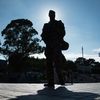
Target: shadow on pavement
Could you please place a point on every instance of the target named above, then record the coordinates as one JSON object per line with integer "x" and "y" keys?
{"x": 60, "y": 93}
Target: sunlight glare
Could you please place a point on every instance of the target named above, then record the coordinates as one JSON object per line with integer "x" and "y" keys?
{"x": 45, "y": 11}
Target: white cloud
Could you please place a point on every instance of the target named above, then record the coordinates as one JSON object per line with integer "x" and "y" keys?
{"x": 74, "y": 56}
{"x": 71, "y": 56}
{"x": 97, "y": 50}
{"x": 96, "y": 57}
{"x": 40, "y": 55}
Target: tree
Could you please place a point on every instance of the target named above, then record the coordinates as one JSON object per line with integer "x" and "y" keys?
{"x": 70, "y": 65}
{"x": 96, "y": 68}
{"x": 91, "y": 62}
{"x": 80, "y": 61}
{"x": 20, "y": 40}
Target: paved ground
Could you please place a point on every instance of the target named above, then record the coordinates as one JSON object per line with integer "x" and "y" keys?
{"x": 85, "y": 91}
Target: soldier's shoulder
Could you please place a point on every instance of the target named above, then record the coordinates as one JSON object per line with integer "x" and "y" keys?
{"x": 46, "y": 24}
{"x": 59, "y": 21}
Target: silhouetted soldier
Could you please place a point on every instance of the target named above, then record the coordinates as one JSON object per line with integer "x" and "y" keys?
{"x": 52, "y": 34}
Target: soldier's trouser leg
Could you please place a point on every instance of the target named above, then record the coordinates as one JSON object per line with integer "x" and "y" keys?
{"x": 59, "y": 67}
{"x": 50, "y": 72}
{"x": 49, "y": 67}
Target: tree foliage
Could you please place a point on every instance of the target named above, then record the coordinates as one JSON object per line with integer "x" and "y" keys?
{"x": 69, "y": 65}
{"x": 19, "y": 37}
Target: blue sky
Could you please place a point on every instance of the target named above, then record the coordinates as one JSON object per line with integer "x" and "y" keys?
{"x": 80, "y": 17}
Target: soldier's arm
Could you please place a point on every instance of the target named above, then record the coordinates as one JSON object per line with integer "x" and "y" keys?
{"x": 62, "y": 28}
{"x": 43, "y": 35}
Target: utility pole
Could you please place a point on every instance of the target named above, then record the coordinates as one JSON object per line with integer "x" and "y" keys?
{"x": 82, "y": 52}
{"x": 82, "y": 55}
